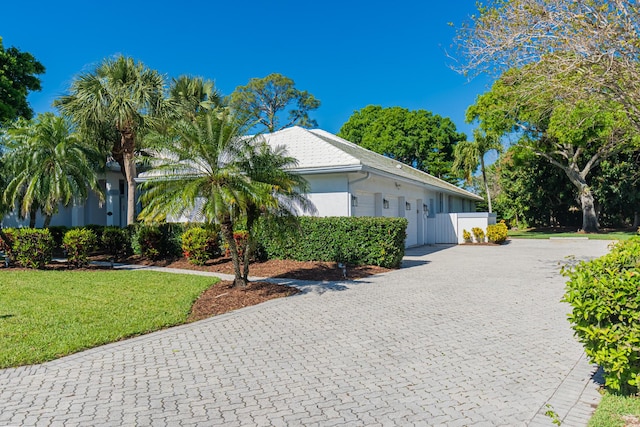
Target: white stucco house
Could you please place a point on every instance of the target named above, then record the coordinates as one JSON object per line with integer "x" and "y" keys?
{"x": 345, "y": 180}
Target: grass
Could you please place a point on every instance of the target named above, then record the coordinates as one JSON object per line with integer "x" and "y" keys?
{"x": 49, "y": 314}
{"x": 613, "y": 408}
{"x": 546, "y": 234}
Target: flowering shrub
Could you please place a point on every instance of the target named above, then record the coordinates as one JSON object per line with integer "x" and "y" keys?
{"x": 240, "y": 238}
{"x": 466, "y": 235}
{"x": 497, "y": 233}
{"x": 478, "y": 234}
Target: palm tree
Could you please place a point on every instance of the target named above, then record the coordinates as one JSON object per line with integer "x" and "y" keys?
{"x": 115, "y": 105}
{"x": 49, "y": 166}
{"x": 262, "y": 164}
{"x": 190, "y": 95}
{"x": 468, "y": 155}
{"x": 209, "y": 167}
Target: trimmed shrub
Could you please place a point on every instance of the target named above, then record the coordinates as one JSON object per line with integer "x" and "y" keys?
{"x": 97, "y": 229}
{"x": 200, "y": 245}
{"x": 466, "y": 235}
{"x": 57, "y": 233}
{"x": 606, "y": 312}
{"x": 167, "y": 243}
{"x": 116, "y": 242}
{"x": 478, "y": 234}
{"x": 147, "y": 241}
{"x": 32, "y": 248}
{"x": 353, "y": 240}
{"x": 172, "y": 237}
{"x": 497, "y": 233}
{"x": 78, "y": 243}
{"x": 6, "y": 242}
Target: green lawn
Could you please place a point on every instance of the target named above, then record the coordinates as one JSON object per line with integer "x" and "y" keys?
{"x": 611, "y": 410}
{"x": 546, "y": 234}
{"x": 48, "y": 314}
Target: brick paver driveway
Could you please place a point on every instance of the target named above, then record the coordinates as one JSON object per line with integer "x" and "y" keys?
{"x": 460, "y": 336}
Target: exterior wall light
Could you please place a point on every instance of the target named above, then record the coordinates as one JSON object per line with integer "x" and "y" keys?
{"x": 354, "y": 201}
{"x": 385, "y": 203}
{"x": 407, "y": 206}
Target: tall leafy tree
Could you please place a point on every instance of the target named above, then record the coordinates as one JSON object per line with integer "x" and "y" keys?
{"x": 207, "y": 166}
{"x": 417, "y": 138}
{"x": 469, "y": 155}
{"x": 114, "y": 105}
{"x": 577, "y": 50}
{"x": 18, "y": 76}
{"x": 530, "y": 191}
{"x": 274, "y": 103}
{"x": 574, "y": 136}
{"x": 50, "y": 165}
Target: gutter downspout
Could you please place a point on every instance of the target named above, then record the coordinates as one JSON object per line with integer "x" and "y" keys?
{"x": 349, "y": 189}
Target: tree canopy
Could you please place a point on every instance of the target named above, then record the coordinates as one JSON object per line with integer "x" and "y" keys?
{"x": 578, "y": 49}
{"x": 274, "y": 103}
{"x": 18, "y": 76}
{"x": 417, "y": 138}
{"x": 573, "y": 136}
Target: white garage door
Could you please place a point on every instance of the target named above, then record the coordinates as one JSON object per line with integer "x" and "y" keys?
{"x": 412, "y": 227}
{"x": 365, "y": 204}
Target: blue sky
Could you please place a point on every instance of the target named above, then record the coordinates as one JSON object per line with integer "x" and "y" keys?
{"x": 349, "y": 54}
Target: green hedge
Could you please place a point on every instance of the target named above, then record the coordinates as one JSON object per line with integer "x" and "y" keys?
{"x": 605, "y": 296}
{"x": 357, "y": 241}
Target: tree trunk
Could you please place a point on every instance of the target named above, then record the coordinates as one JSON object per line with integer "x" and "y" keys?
{"x": 636, "y": 219}
{"x": 130, "y": 170}
{"x": 587, "y": 201}
{"x": 47, "y": 221}
{"x": 227, "y": 234}
{"x": 589, "y": 217}
{"x": 486, "y": 183}
{"x": 127, "y": 150}
{"x": 32, "y": 216}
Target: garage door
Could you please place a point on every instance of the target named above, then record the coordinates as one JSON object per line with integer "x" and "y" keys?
{"x": 412, "y": 227}
{"x": 365, "y": 204}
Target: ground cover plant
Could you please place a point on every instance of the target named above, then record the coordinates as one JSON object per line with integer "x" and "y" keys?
{"x": 47, "y": 314}
{"x": 616, "y": 411}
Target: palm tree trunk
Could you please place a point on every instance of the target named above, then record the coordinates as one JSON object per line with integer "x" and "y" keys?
{"x": 47, "y": 221}
{"x": 130, "y": 170}
{"x": 127, "y": 141}
{"x": 32, "y": 216}
{"x": 486, "y": 183}
{"x": 227, "y": 233}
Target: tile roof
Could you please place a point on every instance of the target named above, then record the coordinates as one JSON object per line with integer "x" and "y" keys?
{"x": 320, "y": 150}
